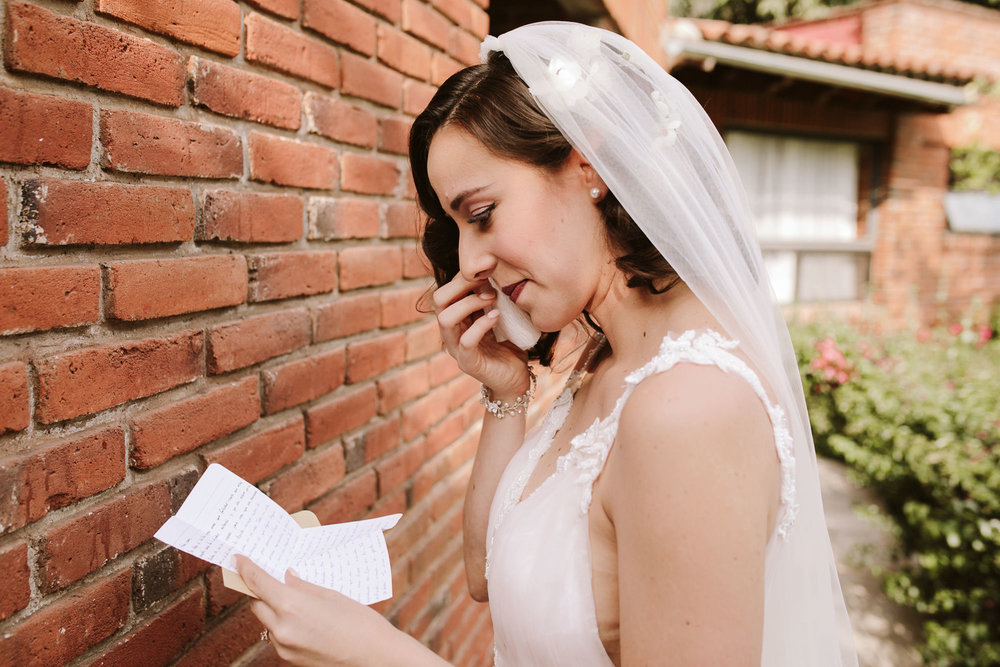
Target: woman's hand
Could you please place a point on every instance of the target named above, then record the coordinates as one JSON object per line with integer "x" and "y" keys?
{"x": 311, "y": 625}
{"x": 464, "y": 329}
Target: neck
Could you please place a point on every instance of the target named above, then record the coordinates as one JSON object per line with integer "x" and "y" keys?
{"x": 635, "y": 321}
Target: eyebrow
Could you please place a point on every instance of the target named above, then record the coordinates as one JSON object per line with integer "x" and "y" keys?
{"x": 462, "y": 196}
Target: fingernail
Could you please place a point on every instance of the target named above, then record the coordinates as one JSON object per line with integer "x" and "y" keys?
{"x": 493, "y": 314}
{"x": 487, "y": 295}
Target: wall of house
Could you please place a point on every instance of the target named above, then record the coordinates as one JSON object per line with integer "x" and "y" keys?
{"x": 207, "y": 253}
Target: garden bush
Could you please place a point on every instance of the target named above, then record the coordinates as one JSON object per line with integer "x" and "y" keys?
{"x": 916, "y": 416}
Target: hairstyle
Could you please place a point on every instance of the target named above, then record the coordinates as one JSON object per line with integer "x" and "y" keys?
{"x": 493, "y": 104}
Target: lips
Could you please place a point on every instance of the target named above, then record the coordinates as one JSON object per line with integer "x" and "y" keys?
{"x": 514, "y": 290}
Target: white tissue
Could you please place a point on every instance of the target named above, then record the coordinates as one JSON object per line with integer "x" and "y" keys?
{"x": 514, "y": 324}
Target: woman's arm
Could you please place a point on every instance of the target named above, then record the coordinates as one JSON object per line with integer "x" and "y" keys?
{"x": 692, "y": 489}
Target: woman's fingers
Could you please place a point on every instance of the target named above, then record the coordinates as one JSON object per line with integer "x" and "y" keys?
{"x": 449, "y": 292}
{"x": 458, "y": 312}
{"x": 263, "y": 585}
{"x": 474, "y": 334}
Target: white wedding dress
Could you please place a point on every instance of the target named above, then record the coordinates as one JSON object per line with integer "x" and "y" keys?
{"x": 538, "y": 550}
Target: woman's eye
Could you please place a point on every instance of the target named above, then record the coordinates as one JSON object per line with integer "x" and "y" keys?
{"x": 482, "y": 218}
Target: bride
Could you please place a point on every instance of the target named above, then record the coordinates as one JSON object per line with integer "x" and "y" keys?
{"x": 667, "y": 509}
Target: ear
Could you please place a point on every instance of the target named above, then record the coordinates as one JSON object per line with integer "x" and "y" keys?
{"x": 580, "y": 168}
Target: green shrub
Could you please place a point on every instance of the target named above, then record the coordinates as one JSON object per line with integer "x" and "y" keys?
{"x": 917, "y": 416}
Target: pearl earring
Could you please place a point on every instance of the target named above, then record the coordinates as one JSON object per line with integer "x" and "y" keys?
{"x": 595, "y": 193}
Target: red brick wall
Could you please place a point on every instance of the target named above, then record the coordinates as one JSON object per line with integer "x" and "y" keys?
{"x": 207, "y": 253}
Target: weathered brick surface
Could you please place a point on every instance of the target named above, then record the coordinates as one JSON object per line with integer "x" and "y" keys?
{"x": 249, "y": 217}
{"x": 404, "y": 53}
{"x": 279, "y": 161}
{"x": 300, "y": 381}
{"x": 273, "y": 45}
{"x": 50, "y": 130}
{"x": 400, "y": 306}
{"x": 394, "y": 135}
{"x": 373, "y": 356}
{"x": 159, "y": 435}
{"x": 35, "y": 299}
{"x": 288, "y": 9}
{"x": 346, "y": 411}
{"x": 56, "y": 212}
{"x": 81, "y": 544}
{"x": 77, "y": 383}
{"x": 3, "y": 209}
{"x": 287, "y": 274}
{"x": 346, "y": 316}
{"x": 368, "y": 174}
{"x": 148, "y": 144}
{"x": 260, "y": 455}
{"x": 341, "y": 22}
{"x": 371, "y": 81}
{"x": 341, "y": 218}
{"x": 424, "y": 22}
{"x": 211, "y": 24}
{"x": 403, "y": 219}
{"x": 366, "y": 266}
{"x": 40, "y": 42}
{"x": 310, "y": 478}
{"x": 349, "y": 501}
{"x": 225, "y": 642}
{"x": 160, "y": 638}
{"x": 231, "y": 91}
{"x": 16, "y": 590}
{"x": 59, "y": 632}
{"x": 340, "y": 121}
{"x": 141, "y": 289}
{"x": 401, "y": 386}
{"x": 255, "y": 339}
{"x": 15, "y": 405}
{"x": 157, "y": 575}
{"x": 59, "y": 475}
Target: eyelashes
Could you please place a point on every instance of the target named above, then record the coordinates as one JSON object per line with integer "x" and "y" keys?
{"x": 483, "y": 217}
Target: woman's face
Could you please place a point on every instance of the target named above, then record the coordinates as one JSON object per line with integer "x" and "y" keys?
{"x": 539, "y": 235}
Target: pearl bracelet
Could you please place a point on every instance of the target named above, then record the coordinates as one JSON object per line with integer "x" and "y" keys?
{"x": 501, "y": 409}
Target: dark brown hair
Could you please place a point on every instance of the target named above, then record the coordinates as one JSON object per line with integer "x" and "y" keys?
{"x": 493, "y": 104}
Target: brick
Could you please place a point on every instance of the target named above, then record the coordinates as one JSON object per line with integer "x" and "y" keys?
{"x": 239, "y": 94}
{"x": 183, "y": 426}
{"x": 340, "y": 121}
{"x": 371, "y": 265}
{"x": 301, "y": 381}
{"x": 400, "y": 306}
{"x": 342, "y": 22}
{"x": 255, "y": 339}
{"x": 416, "y": 96}
{"x": 260, "y": 455}
{"x": 161, "y": 637}
{"x": 250, "y": 217}
{"x": 415, "y": 265}
{"x": 340, "y": 414}
{"x": 90, "y": 380}
{"x": 40, "y": 42}
{"x": 442, "y": 67}
{"x": 401, "y": 386}
{"x": 374, "y": 356}
{"x": 211, "y": 24}
{"x": 381, "y": 438}
{"x": 456, "y": 10}
{"x": 394, "y": 135}
{"x": 403, "y": 219}
{"x": 219, "y": 597}
{"x": 444, "y": 433}
{"x": 83, "y": 543}
{"x": 15, "y": 406}
{"x": 309, "y": 479}
{"x": 443, "y": 368}
{"x": 463, "y": 47}
{"x": 421, "y": 20}
{"x": 422, "y": 341}
{"x": 349, "y": 501}
{"x": 50, "y": 130}
{"x": 333, "y": 218}
{"x": 280, "y": 161}
{"x": 288, "y": 9}
{"x": 424, "y": 413}
{"x": 273, "y": 45}
{"x": 55, "y": 212}
{"x": 282, "y": 275}
{"x": 48, "y": 478}
{"x": 371, "y": 81}
{"x": 224, "y": 643}
{"x": 157, "y": 575}
{"x": 391, "y": 10}
{"x": 147, "y": 144}
{"x": 35, "y": 299}
{"x": 3, "y": 200}
{"x": 400, "y": 466}
{"x": 64, "y": 629}
{"x": 141, "y": 289}
{"x": 346, "y": 316}
{"x": 403, "y": 53}
{"x": 16, "y": 589}
{"x": 368, "y": 174}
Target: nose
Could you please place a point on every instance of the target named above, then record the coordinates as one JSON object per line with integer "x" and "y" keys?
{"x": 475, "y": 257}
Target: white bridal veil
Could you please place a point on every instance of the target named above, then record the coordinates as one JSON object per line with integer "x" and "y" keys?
{"x": 660, "y": 155}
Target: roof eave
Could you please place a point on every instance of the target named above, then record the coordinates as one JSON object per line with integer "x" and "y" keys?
{"x": 823, "y": 72}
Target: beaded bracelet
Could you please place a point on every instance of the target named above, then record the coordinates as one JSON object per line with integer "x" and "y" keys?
{"x": 503, "y": 409}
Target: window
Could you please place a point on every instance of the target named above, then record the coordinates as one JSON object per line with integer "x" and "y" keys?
{"x": 804, "y": 196}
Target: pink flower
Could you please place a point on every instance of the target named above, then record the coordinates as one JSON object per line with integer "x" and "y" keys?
{"x": 955, "y": 329}
{"x": 923, "y": 335}
{"x": 985, "y": 333}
